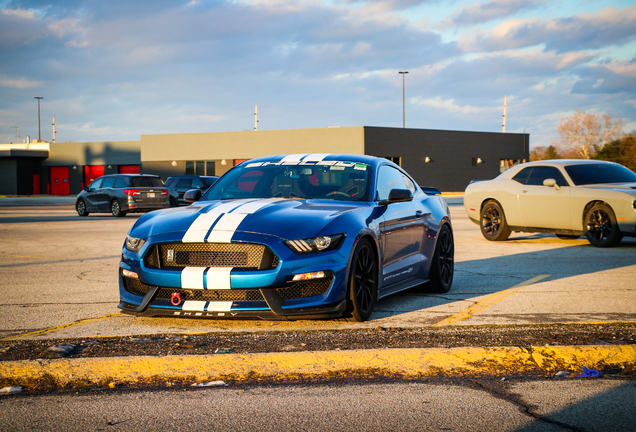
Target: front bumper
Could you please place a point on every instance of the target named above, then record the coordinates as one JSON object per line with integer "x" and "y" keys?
{"x": 265, "y": 294}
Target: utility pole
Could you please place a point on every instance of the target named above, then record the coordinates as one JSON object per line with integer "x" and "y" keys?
{"x": 18, "y": 128}
{"x": 504, "y": 114}
{"x": 54, "y": 129}
{"x": 403, "y": 101}
{"x": 39, "y": 131}
{"x": 256, "y": 117}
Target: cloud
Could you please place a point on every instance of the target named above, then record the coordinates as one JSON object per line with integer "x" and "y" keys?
{"x": 609, "y": 26}
{"x": 19, "y": 83}
{"x": 476, "y": 13}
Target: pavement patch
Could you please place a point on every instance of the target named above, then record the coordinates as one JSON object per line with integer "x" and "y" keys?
{"x": 372, "y": 363}
{"x": 488, "y": 301}
{"x": 58, "y": 328}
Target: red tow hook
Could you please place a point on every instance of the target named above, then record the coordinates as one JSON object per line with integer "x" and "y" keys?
{"x": 175, "y": 299}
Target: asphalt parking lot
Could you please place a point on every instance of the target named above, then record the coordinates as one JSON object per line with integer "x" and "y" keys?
{"x": 59, "y": 274}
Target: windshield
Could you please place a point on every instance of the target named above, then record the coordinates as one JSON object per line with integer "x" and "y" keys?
{"x": 585, "y": 174}
{"x": 330, "y": 180}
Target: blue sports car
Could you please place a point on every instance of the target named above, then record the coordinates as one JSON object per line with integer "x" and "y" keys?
{"x": 290, "y": 237}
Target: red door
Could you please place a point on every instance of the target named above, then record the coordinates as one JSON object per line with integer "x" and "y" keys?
{"x": 36, "y": 184}
{"x": 92, "y": 172}
{"x": 128, "y": 169}
{"x": 59, "y": 181}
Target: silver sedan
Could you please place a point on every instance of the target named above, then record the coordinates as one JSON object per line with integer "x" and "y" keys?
{"x": 569, "y": 198}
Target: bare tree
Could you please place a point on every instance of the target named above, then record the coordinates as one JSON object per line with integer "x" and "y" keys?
{"x": 586, "y": 133}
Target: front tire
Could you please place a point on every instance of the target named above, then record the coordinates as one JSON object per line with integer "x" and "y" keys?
{"x": 443, "y": 266}
{"x": 80, "y": 207}
{"x": 363, "y": 282}
{"x": 115, "y": 209}
{"x": 494, "y": 226}
{"x": 601, "y": 226}
{"x": 174, "y": 202}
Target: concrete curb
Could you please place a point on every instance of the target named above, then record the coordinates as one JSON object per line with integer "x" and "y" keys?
{"x": 397, "y": 363}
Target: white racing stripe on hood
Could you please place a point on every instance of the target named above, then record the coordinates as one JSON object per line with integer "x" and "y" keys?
{"x": 199, "y": 229}
{"x": 227, "y": 225}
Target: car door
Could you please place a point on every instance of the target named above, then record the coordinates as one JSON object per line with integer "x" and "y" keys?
{"x": 402, "y": 229}
{"x": 545, "y": 206}
{"x": 106, "y": 193}
{"x": 93, "y": 195}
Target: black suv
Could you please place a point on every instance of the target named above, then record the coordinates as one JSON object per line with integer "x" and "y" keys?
{"x": 180, "y": 184}
{"x": 122, "y": 193}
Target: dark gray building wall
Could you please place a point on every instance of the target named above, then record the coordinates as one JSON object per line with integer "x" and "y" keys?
{"x": 8, "y": 176}
{"x": 451, "y": 153}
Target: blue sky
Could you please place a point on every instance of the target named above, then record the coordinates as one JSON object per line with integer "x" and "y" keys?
{"x": 114, "y": 70}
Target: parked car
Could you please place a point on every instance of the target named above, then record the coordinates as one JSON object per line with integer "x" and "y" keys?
{"x": 179, "y": 184}
{"x": 569, "y": 198}
{"x": 290, "y": 237}
{"x": 122, "y": 193}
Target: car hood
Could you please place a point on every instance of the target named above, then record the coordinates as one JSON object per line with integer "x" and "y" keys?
{"x": 620, "y": 187}
{"x": 283, "y": 218}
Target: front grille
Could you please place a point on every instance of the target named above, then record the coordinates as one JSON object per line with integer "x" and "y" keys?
{"x": 245, "y": 256}
{"x": 295, "y": 291}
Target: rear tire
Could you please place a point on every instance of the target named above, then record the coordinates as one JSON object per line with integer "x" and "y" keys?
{"x": 363, "y": 282}
{"x": 115, "y": 209}
{"x": 493, "y": 224}
{"x": 80, "y": 207}
{"x": 601, "y": 226}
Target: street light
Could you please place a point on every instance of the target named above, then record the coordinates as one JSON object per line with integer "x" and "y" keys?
{"x": 403, "y": 101}
{"x": 39, "y": 131}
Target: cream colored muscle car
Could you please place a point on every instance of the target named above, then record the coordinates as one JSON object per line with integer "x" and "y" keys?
{"x": 569, "y": 198}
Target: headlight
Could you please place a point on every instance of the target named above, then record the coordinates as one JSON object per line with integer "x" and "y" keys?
{"x": 133, "y": 244}
{"x": 316, "y": 244}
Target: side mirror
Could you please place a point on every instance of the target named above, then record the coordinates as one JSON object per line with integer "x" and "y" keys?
{"x": 398, "y": 195}
{"x": 192, "y": 195}
{"x": 551, "y": 182}
{"x": 86, "y": 188}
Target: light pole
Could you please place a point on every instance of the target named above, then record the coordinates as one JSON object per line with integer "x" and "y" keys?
{"x": 39, "y": 131}
{"x": 403, "y": 101}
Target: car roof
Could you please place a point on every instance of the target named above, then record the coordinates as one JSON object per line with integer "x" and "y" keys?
{"x": 313, "y": 157}
{"x": 564, "y": 162}
{"x": 192, "y": 175}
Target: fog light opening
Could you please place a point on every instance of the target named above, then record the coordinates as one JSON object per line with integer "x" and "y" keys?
{"x": 129, "y": 274}
{"x": 309, "y": 276}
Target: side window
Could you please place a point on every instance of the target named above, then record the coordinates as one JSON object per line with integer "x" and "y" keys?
{"x": 388, "y": 178}
{"x": 121, "y": 182}
{"x": 169, "y": 181}
{"x": 540, "y": 173}
{"x": 108, "y": 182}
{"x": 522, "y": 176}
{"x": 185, "y": 183}
{"x": 197, "y": 183}
{"x": 95, "y": 185}
{"x": 409, "y": 184}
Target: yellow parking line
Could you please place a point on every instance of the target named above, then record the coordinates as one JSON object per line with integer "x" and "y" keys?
{"x": 488, "y": 301}
{"x": 58, "y": 328}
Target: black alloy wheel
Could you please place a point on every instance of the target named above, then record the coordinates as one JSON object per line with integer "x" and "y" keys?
{"x": 601, "y": 226}
{"x": 115, "y": 209}
{"x": 493, "y": 224}
{"x": 443, "y": 265}
{"x": 363, "y": 282}
{"x": 80, "y": 207}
